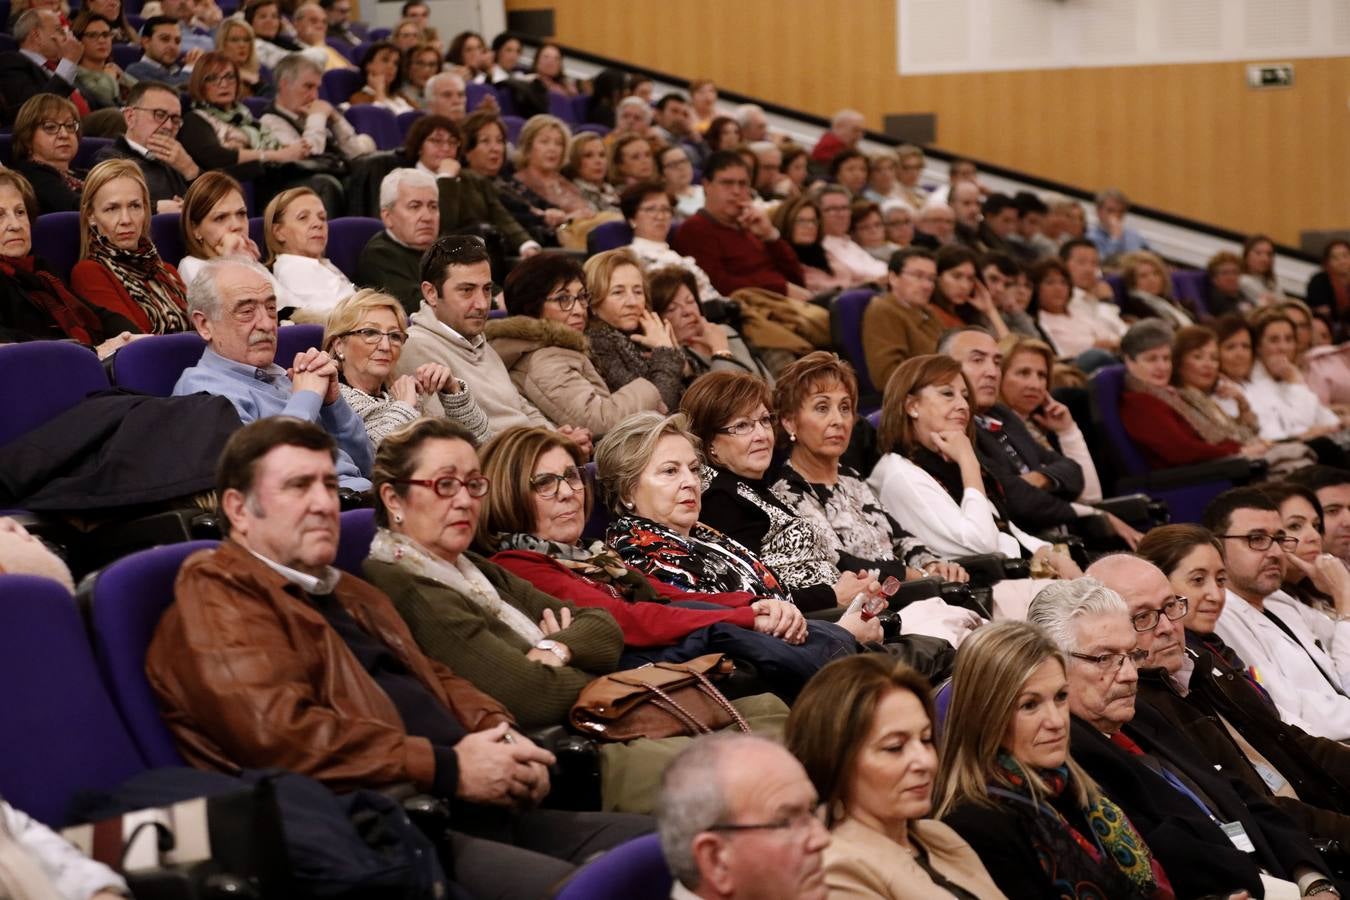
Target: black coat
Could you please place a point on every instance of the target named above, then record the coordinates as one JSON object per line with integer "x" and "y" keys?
{"x": 21, "y": 79}
{"x": 53, "y": 195}
{"x": 165, "y": 182}
{"x": 1000, "y": 839}
{"x": 1000, "y": 452}
{"x": 21, "y": 320}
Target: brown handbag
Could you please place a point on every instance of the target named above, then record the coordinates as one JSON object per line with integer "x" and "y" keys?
{"x": 657, "y": 700}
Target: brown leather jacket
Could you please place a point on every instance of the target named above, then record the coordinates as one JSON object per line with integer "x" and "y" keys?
{"x": 250, "y": 675}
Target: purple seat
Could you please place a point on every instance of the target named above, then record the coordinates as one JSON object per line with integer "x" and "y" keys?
{"x": 593, "y": 127}
{"x": 56, "y": 239}
{"x": 377, "y": 122}
{"x": 348, "y": 236}
{"x": 474, "y": 94}
{"x": 166, "y": 233}
{"x": 358, "y": 530}
{"x": 255, "y": 224}
{"x": 379, "y": 34}
{"x": 257, "y": 105}
{"x": 846, "y": 318}
{"x": 152, "y": 365}
{"x": 513, "y": 125}
{"x": 66, "y": 371}
{"x": 581, "y": 108}
{"x": 63, "y": 734}
{"x": 1117, "y": 283}
{"x": 506, "y": 100}
{"x": 1188, "y": 288}
{"x": 6, "y": 40}
{"x": 634, "y": 870}
{"x": 609, "y": 236}
{"x": 125, "y": 602}
{"x": 561, "y": 106}
{"x": 405, "y": 121}
{"x": 293, "y": 339}
{"x": 338, "y": 85}
{"x": 342, "y": 47}
{"x": 126, "y": 54}
{"x": 599, "y": 519}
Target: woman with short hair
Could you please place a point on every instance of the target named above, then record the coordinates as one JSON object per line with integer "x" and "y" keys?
{"x": 630, "y": 161}
{"x": 799, "y": 222}
{"x": 295, "y": 226}
{"x": 221, "y": 132}
{"x": 1328, "y": 291}
{"x": 708, "y": 346}
{"x": 868, "y": 230}
{"x": 587, "y": 165}
{"x": 541, "y": 151}
{"x": 549, "y": 67}
{"x": 677, "y": 175}
{"x": 1223, "y": 295}
{"x": 420, "y": 62}
{"x": 647, "y": 208}
{"x": 100, "y": 80}
{"x": 46, "y": 139}
{"x": 1279, "y": 395}
{"x": 1148, "y": 289}
{"x": 629, "y": 341}
{"x": 271, "y": 41}
{"x": 236, "y": 40}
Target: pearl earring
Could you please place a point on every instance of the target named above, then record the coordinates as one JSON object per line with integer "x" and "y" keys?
{"x": 628, "y": 504}
{"x": 792, "y": 437}
{"x": 398, "y": 520}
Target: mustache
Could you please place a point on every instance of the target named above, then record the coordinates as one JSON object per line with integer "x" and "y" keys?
{"x": 257, "y": 338}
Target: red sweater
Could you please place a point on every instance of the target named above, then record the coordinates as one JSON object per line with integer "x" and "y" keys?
{"x": 1165, "y": 438}
{"x": 643, "y": 624}
{"x": 827, "y": 148}
{"x": 734, "y": 258}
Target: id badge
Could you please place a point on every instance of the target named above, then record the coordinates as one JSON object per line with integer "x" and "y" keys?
{"x": 1238, "y": 835}
{"x": 1274, "y": 780}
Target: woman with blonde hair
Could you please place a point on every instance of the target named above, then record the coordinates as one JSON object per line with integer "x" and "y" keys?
{"x": 628, "y": 340}
{"x": 587, "y": 165}
{"x": 295, "y": 227}
{"x": 119, "y": 268}
{"x": 235, "y": 39}
{"x": 1148, "y": 287}
{"x": 540, "y": 155}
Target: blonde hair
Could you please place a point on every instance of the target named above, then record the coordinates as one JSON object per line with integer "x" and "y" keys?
{"x": 351, "y": 310}
{"x": 100, "y": 177}
{"x": 534, "y": 127}
{"x": 276, "y": 208}
{"x": 572, "y": 168}
{"x": 1131, "y": 264}
{"x": 627, "y": 448}
{"x": 600, "y": 270}
{"x": 251, "y": 65}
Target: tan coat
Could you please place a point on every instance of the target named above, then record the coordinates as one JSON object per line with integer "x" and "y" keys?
{"x": 861, "y": 862}
{"x": 893, "y": 332}
{"x": 550, "y": 366}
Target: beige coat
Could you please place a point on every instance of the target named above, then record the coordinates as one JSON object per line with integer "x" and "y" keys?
{"x": 551, "y": 367}
{"x": 861, "y": 863}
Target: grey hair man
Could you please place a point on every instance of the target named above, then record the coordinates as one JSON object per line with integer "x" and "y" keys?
{"x": 770, "y": 169}
{"x": 232, "y": 303}
{"x": 410, "y": 208}
{"x": 633, "y": 116}
{"x": 754, "y": 124}
{"x": 447, "y": 96}
{"x": 297, "y": 112}
{"x": 737, "y": 821}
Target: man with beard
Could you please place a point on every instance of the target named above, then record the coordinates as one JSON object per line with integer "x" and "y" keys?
{"x": 1262, "y": 624}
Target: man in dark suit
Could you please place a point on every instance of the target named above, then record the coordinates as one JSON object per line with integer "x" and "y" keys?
{"x": 45, "y": 63}
{"x": 154, "y": 114}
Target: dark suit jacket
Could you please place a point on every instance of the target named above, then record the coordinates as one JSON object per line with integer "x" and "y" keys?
{"x": 386, "y": 264}
{"x": 1029, "y": 506}
{"x": 164, "y": 180}
{"x": 21, "y": 79}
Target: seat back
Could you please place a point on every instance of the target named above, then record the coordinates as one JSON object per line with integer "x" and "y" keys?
{"x": 56, "y": 241}
{"x": 609, "y": 236}
{"x": 125, "y": 602}
{"x": 594, "y": 128}
{"x": 152, "y": 364}
{"x": 474, "y": 94}
{"x": 166, "y": 233}
{"x": 126, "y": 54}
{"x": 634, "y": 870}
{"x": 513, "y": 126}
{"x": 598, "y": 521}
{"x": 257, "y": 105}
{"x": 358, "y": 530}
{"x": 1107, "y": 384}
{"x": 846, "y": 322}
{"x": 561, "y": 105}
{"x": 66, "y": 372}
{"x": 348, "y": 236}
{"x": 1188, "y": 288}
{"x": 405, "y": 121}
{"x": 293, "y": 339}
{"x": 338, "y": 85}
{"x": 63, "y": 733}
{"x": 87, "y": 150}
{"x": 377, "y": 122}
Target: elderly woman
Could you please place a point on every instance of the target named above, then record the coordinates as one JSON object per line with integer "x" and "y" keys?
{"x": 587, "y": 165}
{"x": 541, "y": 152}
{"x": 365, "y": 334}
{"x": 796, "y": 171}
{"x": 633, "y": 116}
{"x": 864, "y": 730}
{"x": 629, "y": 341}
{"x": 1328, "y": 291}
{"x": 236, "y": 40}
{"x": 908, "y": 174}
{"x": 849, "y": 169}
{"x": 631, "y": 161}
{"x": 677, "y": 177}
{"x": 119, "y": 268}
{"x": 381, "y": 65}
{"x": 702, "y": 102}
{"x": 485, "y": 154}
{"x": 708, "y": 346}
{"x": 868, "y": 230}
{"x": 46, "y": 138}
{"x": 646, "y": 207}
{"x": 799, "y": 220}
{"x": 420, "y": 63}
{"x": 816, "y": 401}
{"x": 34, "y": 303}
{"x": 1007, "y": 784}
{"x": 651, "y": 471}
{"x": 271, "y": 41}
{"x": 849, "y": 261}
{"x": 543, "y": 345}
{"x": 100, "y": 80}
{"x": 295, "y": 226}
{"x": 1258, "y": 283}
{"x": 549, "y": 69}
{"x": 1148, "y": 286}
{"x": 897, "y": 217}
{"x": 532, "y": 652}
{"x": 882, "y": 185}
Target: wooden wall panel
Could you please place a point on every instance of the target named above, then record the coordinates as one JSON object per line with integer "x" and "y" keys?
{"x": 1190, "y": 139}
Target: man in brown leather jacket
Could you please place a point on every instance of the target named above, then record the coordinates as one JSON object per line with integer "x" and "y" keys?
{"x": 270, "y": 657}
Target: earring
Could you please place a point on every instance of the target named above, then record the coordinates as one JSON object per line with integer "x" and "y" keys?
{"x": 792, "y": 437}
{"x": 398, "y": 519}
{"x": 913, "y": 414}
{"x": 628, "y": 504}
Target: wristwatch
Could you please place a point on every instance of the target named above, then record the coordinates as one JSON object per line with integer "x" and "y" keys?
{"x": 560, "y": 651}
{"x": 1320, "y": 886}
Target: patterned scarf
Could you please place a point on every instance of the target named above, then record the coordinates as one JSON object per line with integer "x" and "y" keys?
{"x": 1112, "y": 860}
{"x": 48, "y": 293}
{"x": 594, "y": 562}
{"x": 1210, "y": 430}
{"x": 237, "y": 127}
{"x": 704, "y": 561}
{"x": 154, "y": 285}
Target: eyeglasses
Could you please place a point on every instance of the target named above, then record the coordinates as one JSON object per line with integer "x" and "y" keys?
{"x": 1259, "y": 540}
{"x": 566, "y": 301}
{"x": 162, "y": 115}
{"x": 546, "y": 485}
{"x": 448, "y": 487}
{"x": 95, "y": 35}
{"x": 1147, "y": 620}
{"x": 373, "y": 336}
{"x": 801, "y": 823}
{"x": 656, "y": 209}
{"x": 221, "y": 78}
{"x": 834, "y": 209}
{"x": 741, "y": 429}
{"x": 1113, "y": 662}
{"x": 54, "y": 128}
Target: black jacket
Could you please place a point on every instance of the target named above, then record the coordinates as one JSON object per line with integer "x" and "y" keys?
{"x": 386, "y": 264}
{"x": 20, "y": 79}
{"x": 51, "y": 190}
{"x": 1004, "y": 452}
{"x": 22, "y": 320}
{"x": 165, "y": 182}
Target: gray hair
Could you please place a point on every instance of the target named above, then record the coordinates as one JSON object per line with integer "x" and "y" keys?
{"x": 431, "y": 83}
{"x": 293, "y": 65}
{"x": 1059, "y": 605}
{"x": 1145, "y": 335}
{"x": 1106, "y": 194}
{"x": 26, "y": 24}
{"x": 636, "y": 102}
{"x": 951, "y": 334}
{"x": 406, "y": 177}
{"x": 745, "y": 111}
{"x": 935, "y": 206}
{"x": 846, "y": 115}
{"x": 203, "y": 293}
{"x": 626, "y": 449}
{"x": 693, "y": 798}
{"x": 761, "y": 147}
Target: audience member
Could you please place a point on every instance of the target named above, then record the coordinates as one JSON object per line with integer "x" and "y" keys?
{"x": 1109, "y": 234}
{"x": 1332, "y": 487}
{"x": 936, "y": 225}
{"x": 392, "y": 259}
{"x": 849, "y": 169}
{"x": 446, "y": 96}
{"x": 1328, "y": 291}
{"x": 869, "y": 231}
{"x": 232, "y": 305}
{"x": 1223, "y": 276}
{"x": 1285, "y": 406}
{"x": 505, "y": 57}
{"x": 295, "y": 227}
{"x": 115, "y": 12}
{"x": 311, "y": 33}
{"x": 799, "y": 220}
{"x": 46, "y": 62}
{"x": 41, "y": 863}
{"x": 671, "y": 119}
{"x": 630, "y": 160}
{"x": 100, "y": 79}
{"x": 796, "y": 170}
{"x": 540, "y": 155}
{"x": 633, "y": 116}
{"x": 965, "y": 201}
{"x": 196, "y": 35}
{"x": 961, "y": 295}
{"x": 1080, "y": 337}
{"x": 999, "y": 222}
{"x": 235, "y": 39}
{"x": 469, "y": 57}
{"x": 908, "y": 170}
{"x": 1148, "y": 290}
{"x": 1318, "y": 581}
{"x": 271, "y": 41}
{"x": 46, "y": 138}
{"x": 341, "y": 27}
{"x": 1258, "y": 283}
{"x": 1010, "y": 290}
{"x": 1093, "y": 299}
{"x": 215, "y": 223}
{"x": 153, "y": 115}
{"x": 708, "y": 346}
{"x": 898, "y": 218}
{"x": 702, "y": 103}
{"x": 587, "y": 166}
{"x": 421, "y": 62}
{"x": 627, "y": 340}
{"x": 847, "y": 259}
{"x": 297, "y": 114}
{"x": 550, "y": 68}
{"x": 485, "y": 152}
{"x": 677, "y": 177}
{"x": 161, "y": 41}
{"x": 1030, "y": 241}
{"x": 381, "y": 64}
{"x": 846, "y": 130}
{"x": 647, "y": 208}
{"x": 902, "y": 323}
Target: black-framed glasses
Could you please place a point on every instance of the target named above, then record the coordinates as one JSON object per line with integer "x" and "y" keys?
{"x": 373, "y": 336}
{"x": 800, "y": 823}
{"x": 546, "y": 484}
{"x": 54, "y": 128}
{"x": 1259, "y": 540}
{"x": 1112, "y": 662}
{"x": 94, "y": 35}
{"x": 448, "y": 487}
{"x": 566, "y": 301}
{"x": 1174, "y": 609}
{"x": 221, "y": 78}
{"x": 162, "y": 115}
{"x": 741, "y": 429}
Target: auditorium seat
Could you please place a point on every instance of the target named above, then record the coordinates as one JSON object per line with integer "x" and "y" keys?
{"x": 341, "y": 47}
{"x": 561, "y": 106}
{"x": 405, "y": 121}
{"x": 358, "y": 530}
{"x": 166, "y": 233}
{"x": 474, "y": 94}
{"x": 593, "y": 127}
{"x": 1188, "y": 287}
{"x": 66, "y": 372}
{"x": 88, "y": 149}
{"x": 377, "y": 122}
{"x": 846, "y": 319}
{"x": 348, "y": 236}
{"x": 634, "y": 870}
{"x": 293, "y": 339}
{"x": 613, "y": 235}
{"x": 152, "y": 365}
{"x": 513, "y": 125}
{"x": 56, "y": 239}
{"x": 339, "y": 84}
{"x": 63, "y": 732}
{"x": 126, "y": 54}
{"x": 379, "y": 34}
{"x": 257, "y": 105}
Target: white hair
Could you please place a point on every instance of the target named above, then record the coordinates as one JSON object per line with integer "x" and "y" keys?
{"x": 436, "y": 79}
{"x": 746, "y": 111}
{"x": 1059, "y": 605}
{"x": 935, "y": 206}
{"x": 203, "y": 293}
{"x": 639, "y": 103}
{"x": 846, "y": 115}
{"x": 406, "y": 177}
{"x": 759, "y": 147}
{"x": 896, "y": 203}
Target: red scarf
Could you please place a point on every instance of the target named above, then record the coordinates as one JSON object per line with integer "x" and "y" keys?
{"x": 45, "y": 291}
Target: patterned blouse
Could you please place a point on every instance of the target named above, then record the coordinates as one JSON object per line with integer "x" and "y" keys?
{"x": 706, "y": 561}
{"x": 852, "y": 516}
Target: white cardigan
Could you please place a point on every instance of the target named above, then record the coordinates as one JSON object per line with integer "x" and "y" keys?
{"x": 1285, "y": 409}
{"x": 314, "y": 285}
{"x": 1293, "y": 673}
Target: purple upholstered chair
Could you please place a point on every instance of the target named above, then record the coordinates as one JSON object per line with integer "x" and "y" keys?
{"x": 152, "y": 365}
{"x": 338, "y": 85}
{"x": 377, "y": 122}
{"x": 56, "y": 241}
{"x": 846, "y": 318}
{"x": 513, "y": 126}
{"x": 166, "y": 233}
{"x": 89, "y": 147}
{"x": 347, "y": 237}
{"x": 634, "y": 870}
{"x": 65, "y": 372}
{"x": 293, "y": 339}
{"x": 474, "y": 94}
{"x": 406, "y": 120}
{"x": 358, "y": 530}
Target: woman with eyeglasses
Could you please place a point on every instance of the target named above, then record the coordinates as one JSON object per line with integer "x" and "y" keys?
{"x": 100, "y": 79}
{"x": 365, "y": 334}
{"x": 543, "y": 345}
{"x": 420, "y": 62}
{"x": 531, "y": 651}
{"x": 647, "y": 208}
{"x": 46, "y": 138}
{"x": 235, "y": 39}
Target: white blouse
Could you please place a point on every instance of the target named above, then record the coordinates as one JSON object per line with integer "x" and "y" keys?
{"x": 1285, "y": 409}
{"x": 190, "y": 266}
{"x": 312, "y": 285}
{"x": 851, "y": 261}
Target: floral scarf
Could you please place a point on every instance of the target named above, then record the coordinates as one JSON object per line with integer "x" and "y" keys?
{"x": 48, "y": 293}
{"x": 705, "y": 561}
{"x": 594, "y": 562}
{"x": 154, "y": 285}
{"x": 236, "y": 127}
{"x": 1111, "y": 860}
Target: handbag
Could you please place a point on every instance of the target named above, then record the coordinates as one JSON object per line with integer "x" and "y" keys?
{"x": 658, "y": 700}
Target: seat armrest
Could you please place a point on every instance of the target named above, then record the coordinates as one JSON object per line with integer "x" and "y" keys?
{"x": 990, "y": 568}
{"x": 916, "y": 589}
{"x": 1133, "y": 508}
{"x": 575, "y": 777}
{"x": 1237, "y": 469}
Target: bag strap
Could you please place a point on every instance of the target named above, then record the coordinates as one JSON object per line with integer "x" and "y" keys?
{"x": 690, "y": 720}
{"x": 720, "y": 699}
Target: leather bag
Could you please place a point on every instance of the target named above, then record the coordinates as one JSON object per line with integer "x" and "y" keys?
{"x": 658, "y": 700}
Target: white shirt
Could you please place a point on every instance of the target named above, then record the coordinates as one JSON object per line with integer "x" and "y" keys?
{"x": 310, "y": 584}
{"x": 851, "y": 261}
{"x": 1291, "y": 672}
{"x": 189, "y": 266}
{"x": 314, "y": 285}
{"x": 654, "y": 254}
{"x": 1104, "y": 315}
{"x": 1285, "y": 409}
{"x": 1072, "y": 334}
{"x": 65, "y": 69}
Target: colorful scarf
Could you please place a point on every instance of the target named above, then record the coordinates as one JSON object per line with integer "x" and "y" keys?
{"x": 48, "y": 293}
{"x": 704, "y": 561}
{"x": 1209, "y": 430}
{"x": 594, "y": 562}
{"x": 1111, "y": 860}
{"x": 236, "y": 126}
{"x": 154, "y": 285}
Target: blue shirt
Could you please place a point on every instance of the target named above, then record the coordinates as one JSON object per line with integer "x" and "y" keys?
{"x": 147, "y": 69}
{"x": 1109, "y": 247}
{"x": 260, "y": 393}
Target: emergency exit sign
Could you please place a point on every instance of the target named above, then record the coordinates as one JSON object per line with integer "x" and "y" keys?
{"x": 1270, "y": 75}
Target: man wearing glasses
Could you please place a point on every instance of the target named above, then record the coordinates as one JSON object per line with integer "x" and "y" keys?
{"x": 1212, "y": 834}
{"x": 45, "y": 63}
{"x": 153, "y": 115}
{"x": 1305, "y": 672}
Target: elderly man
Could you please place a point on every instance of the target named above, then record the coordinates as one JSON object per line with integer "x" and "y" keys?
{"x": 754, "y": 124}
{"x": 1110, "y": 234}
{"x": 271, "y": 658}
{"x": 1178, "y": 682}
{"x": 161, "y": 46}
{"x": 392, "y": 260}
{"x": 447, "y": 96}
{"x": 846, "y": 130}
{"x": 1212, "y": 834}
{"x": 1266, "y": 627}
{"x": 770, "y": 169}
{"x": 45, "y": 63}
{"x": 935, "y": 225}
{"x": 154, "y": 114}
{"x": 233, "y": 305}
{"x": 901, "y": 323}
{"x": 1332, "y": 487}
{"x": 311, "y": 32}
{"x": 297, "y": 112}
{"x": 965, "y": 202}
{"x": 737, "y": 821}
